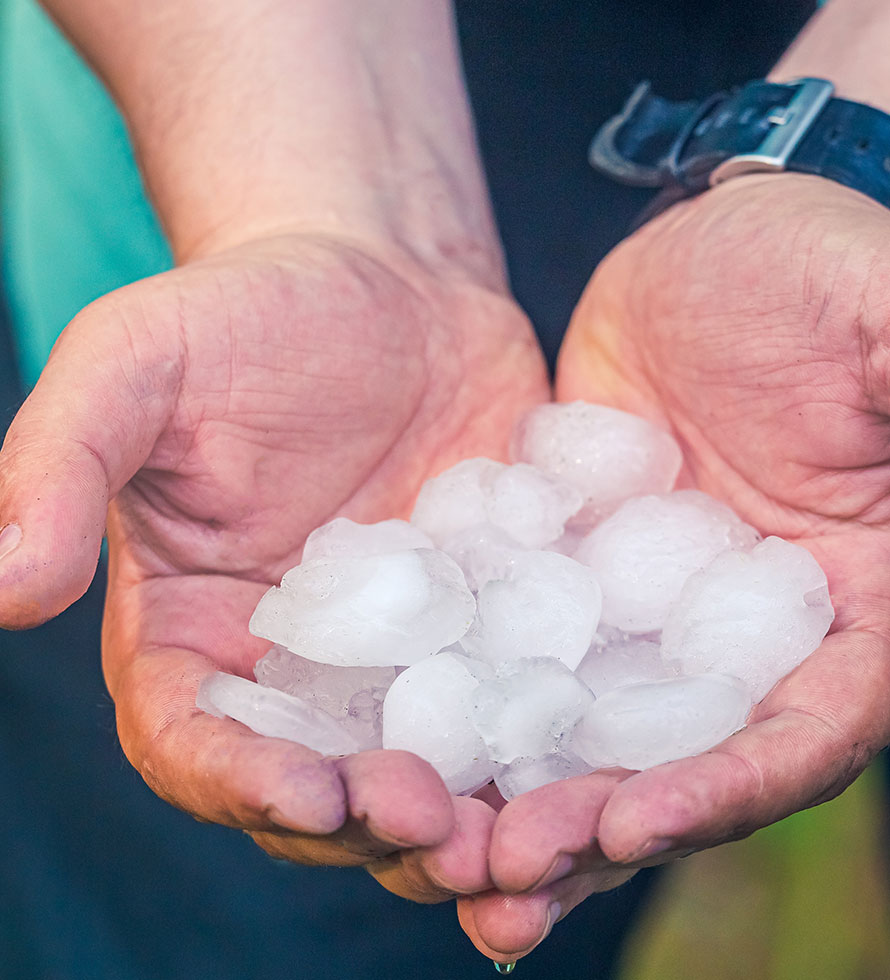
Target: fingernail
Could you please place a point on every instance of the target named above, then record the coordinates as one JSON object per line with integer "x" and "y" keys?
{"x": 10, "y": 537}
{"x": 554, "y": 911}
{"x": 385, "y": 837}
{"x": 438, "y": 882}
{"x": 654, "y": 846}
{"x": 562, "y": 865}
{"x": 553, "y": 914}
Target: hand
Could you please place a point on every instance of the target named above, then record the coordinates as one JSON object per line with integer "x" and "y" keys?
{"x": 753, "y": 322}
{"x": 226, "y": 409}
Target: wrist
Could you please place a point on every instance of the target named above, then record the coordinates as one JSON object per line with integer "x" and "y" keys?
{"x": 421, "y": 222}
{"x": 846, "y": 42}
{"x": 344, "y": 118}
{"x": 381, "y": 150}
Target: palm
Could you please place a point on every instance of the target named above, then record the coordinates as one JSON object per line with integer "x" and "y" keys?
{"x": 256, "y": 395}
{"x": 751, "y": 322}
{"x": 311, "y": 380}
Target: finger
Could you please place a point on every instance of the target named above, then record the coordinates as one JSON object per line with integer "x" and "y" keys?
{"x": 808, "y": 740}
{"x": 215, "y": 768}
{"x": 458, "y": 865}
{"x": 508, "y": 927}
{"x": 551, "y": 832}
{"x": 399, "y": 798}
{"x": 394, "y": 801}
{"x": 86, "y": 428}
{"x": 218, "y": 770}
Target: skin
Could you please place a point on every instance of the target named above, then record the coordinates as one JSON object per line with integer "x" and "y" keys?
{"x": 337, "y": 330}
{"x": 753, "y": 323}
{"x": 250, "y": 421}
{"x": 773, "y": 376}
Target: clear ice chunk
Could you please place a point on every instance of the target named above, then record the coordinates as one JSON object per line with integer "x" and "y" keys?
{"x": 530, "y": 506}
{"x": 644, "y": 725}
{"x": 529, "y": 708}
{"x": 547, "y": 606}
{"x": 455, "y": 499}
{"x": 524, "y": 775}
{"x": 483, "y": 552}
{"x": 427, "y": 711}
{"x": 616, "y": 659}
{"x": 755, "y": 615}
{"x": 380, "y": 641}
{"x": 645, "y": 551}
{"x": 273, "y": 713}
{"x": 343, "y": 538}
{"x": 608, "y": 455}
{"x": 353, "y": 695}
{"x": 384, "y": 610}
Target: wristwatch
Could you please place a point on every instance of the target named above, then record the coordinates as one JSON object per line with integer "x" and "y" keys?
{"x": 761, "y": 127}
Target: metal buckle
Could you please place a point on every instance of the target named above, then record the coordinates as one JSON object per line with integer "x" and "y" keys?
{"x": 790, "y": 125}
{"x": 604, "y": 156}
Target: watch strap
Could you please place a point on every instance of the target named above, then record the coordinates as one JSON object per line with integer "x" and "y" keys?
{"x": 685, "y": 147}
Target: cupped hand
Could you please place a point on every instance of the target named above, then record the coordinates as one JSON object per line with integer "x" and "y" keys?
{"x": 225, "y": 409}
{"x": 753, "y": 322}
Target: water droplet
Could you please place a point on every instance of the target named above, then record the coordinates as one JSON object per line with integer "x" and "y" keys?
{"x": 505, "y": 967}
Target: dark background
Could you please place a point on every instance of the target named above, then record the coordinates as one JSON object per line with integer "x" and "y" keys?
{"x": 543, "y": 76}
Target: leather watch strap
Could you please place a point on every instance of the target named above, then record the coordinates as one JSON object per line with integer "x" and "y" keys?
{"x": 684, "y": 147}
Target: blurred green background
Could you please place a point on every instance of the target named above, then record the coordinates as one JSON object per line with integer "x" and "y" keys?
{"x": 805, "y": 899}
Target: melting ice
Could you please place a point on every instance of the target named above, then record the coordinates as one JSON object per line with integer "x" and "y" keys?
{"x": 534, "y": 621}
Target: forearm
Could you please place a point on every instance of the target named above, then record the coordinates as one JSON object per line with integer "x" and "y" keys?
{"x": 339, "y": 116}
{"x": 846, "y": 42}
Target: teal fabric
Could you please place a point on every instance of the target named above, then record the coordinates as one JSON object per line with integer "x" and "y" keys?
{"x": 65, "y": 152}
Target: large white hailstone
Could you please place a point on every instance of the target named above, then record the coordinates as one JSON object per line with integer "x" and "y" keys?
{"x": 630, "y": 643}
{"x": 548, "y": 606}
{"x": 524, "y": 775}
{"x": 643, "y": 554}
{"x": 353, "y": 695}
{"x": 427, "y": 712}
{"x": 528, "y": 708}
{"x": 608, "y": 455}
{"x": 483, "y": 552}
{"x": 455, "y": 499}
{"x": 384, "y": 610}
{"x": 343, "y": 538}
{"x": 273, "y": 713}
{"x": 329, "y": 688}
{"x": 528, "y": 505}
{"x": 755, "y": 615}
{"x": 616, "y": 659}
{"x": 644, "y": 725}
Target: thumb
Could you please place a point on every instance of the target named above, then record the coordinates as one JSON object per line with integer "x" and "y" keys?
{"x": 87, "y": 427}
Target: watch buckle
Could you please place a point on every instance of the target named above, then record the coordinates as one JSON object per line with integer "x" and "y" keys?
{"x": 790, "y": 124}
{"x": 604, "y": 156}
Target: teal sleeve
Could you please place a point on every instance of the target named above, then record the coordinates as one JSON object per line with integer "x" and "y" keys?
{"x": 76, "y": 222}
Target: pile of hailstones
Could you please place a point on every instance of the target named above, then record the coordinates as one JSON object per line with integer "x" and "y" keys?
{"x": 536, "y": 621}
